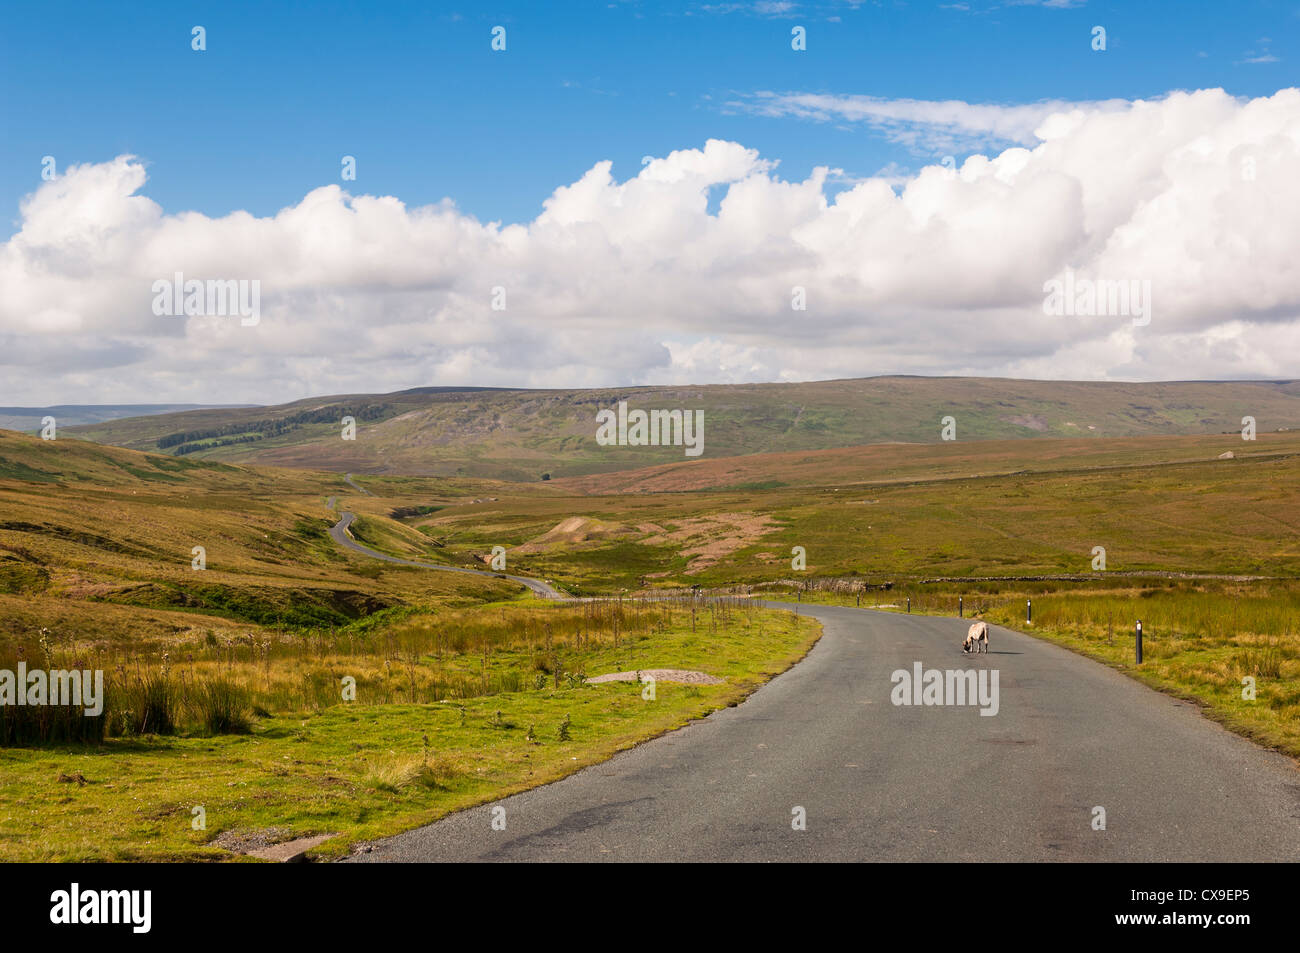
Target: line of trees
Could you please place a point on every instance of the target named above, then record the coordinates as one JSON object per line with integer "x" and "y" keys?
{"x": 187, "y": 441}
{"x": 208, "y": 445}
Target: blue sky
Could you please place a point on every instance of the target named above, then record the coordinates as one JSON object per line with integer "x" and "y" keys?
{"x": 1169, "y": 162}
{"x": 413, "y": 91}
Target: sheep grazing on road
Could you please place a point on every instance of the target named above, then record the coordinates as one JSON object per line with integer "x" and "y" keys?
{"x": 977, "y": 635}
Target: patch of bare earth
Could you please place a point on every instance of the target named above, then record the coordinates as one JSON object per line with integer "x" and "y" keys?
{"x": 707, "y": 539}
{"x": 270, "y": 843}
{"x": 1031, "y": 421}
{"x": 244, "y": 842}
{"x": 571, "y": 532}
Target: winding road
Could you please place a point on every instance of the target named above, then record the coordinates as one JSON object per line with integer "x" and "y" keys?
{"x": 347, "y": 478}
{"x": 340, "y": 533}
{"x": 1079, "y": 763}
{"x": 880, "y": 782}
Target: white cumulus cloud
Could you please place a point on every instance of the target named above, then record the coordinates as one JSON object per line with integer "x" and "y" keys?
{"x": 643, "y": 281}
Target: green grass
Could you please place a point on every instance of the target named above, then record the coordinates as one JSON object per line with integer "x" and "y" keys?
{"x": 381, "y": 764}
{"x": 17, "y": 470}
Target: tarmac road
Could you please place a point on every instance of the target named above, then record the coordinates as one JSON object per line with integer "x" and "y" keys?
{"x": 339, "y": 533}
{"x": 883, "y": 782}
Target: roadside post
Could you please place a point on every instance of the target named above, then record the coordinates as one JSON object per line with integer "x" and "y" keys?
{"x": 909, "y": 603}
{"x": 1029, "y": 611}
{"x": 960, "y": 606}
{"x": 1139, "y": 642}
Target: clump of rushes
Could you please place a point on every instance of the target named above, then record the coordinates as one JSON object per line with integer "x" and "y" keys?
{"x": 1264, "y": 662}
{"x": 147, "y": 704}
{"x": 221, "y": 706}
{"x": 564, "y": 728}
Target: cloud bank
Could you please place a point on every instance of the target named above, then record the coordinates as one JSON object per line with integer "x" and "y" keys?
{"x": 637, "y": 281}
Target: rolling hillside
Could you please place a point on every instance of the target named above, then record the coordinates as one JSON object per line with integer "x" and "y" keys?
{"x": 1171, "y": 506}
{"x": 98, "y": 543}
{"x": 71, "y": 415}
{"x": 521, "y": 435}
{"x": 903, "y": 463}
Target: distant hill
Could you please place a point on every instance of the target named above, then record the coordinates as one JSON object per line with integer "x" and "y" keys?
{"x": 516, "y": 434}
{"x": 890, "y": 463}
{"x": 68, "y": 461}
{"x": 70, "y": 415}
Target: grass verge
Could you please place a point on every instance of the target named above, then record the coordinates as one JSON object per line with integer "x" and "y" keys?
{"x": 371, "y": 768}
